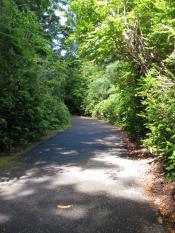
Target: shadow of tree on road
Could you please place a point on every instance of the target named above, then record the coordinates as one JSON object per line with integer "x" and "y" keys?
{"x": 87, "y": 168}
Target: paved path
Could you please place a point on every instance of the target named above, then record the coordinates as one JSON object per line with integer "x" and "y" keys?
{"x": 86, "y": 169}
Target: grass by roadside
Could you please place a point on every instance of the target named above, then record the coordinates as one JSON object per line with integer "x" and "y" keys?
{"x": 7, "y": 158}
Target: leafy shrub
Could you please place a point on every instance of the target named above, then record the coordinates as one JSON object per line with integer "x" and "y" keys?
{"x": 108, "y": 109}
{"x": 158, "y": 92}
{"x": 56, "y": 113}
{"x": 112, "y": 95}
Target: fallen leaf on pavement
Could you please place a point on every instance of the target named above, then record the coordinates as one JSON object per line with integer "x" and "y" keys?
{"x": 64, "y": 206}
{"x": 160, "y": 220}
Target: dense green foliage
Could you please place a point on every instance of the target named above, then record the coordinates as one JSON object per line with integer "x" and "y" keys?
{"x": 112, "y": 59}
{"x": 31, "y": 78}
{"x": 129, "y": 69}
{"x": 74, "y": 88}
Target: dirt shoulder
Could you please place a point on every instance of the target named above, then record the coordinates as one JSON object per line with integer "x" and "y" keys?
{"x": 158, "y": 189}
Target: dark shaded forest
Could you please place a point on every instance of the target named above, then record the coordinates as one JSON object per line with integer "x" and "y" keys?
{"x": 112, "y": 59}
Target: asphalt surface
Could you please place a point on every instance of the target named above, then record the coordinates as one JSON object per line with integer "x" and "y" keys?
{"x": 81, "y": 181}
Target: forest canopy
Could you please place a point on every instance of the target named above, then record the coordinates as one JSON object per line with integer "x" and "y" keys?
{"x": 31, "y": 74}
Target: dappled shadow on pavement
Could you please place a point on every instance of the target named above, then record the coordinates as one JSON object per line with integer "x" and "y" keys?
{"x": 87, "y": 168}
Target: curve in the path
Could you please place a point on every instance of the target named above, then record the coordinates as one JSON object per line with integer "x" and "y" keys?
{"x": 85, "y": 169}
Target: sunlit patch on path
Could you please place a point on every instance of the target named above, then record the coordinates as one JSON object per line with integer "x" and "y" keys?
{"x": 79, "y": 182}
